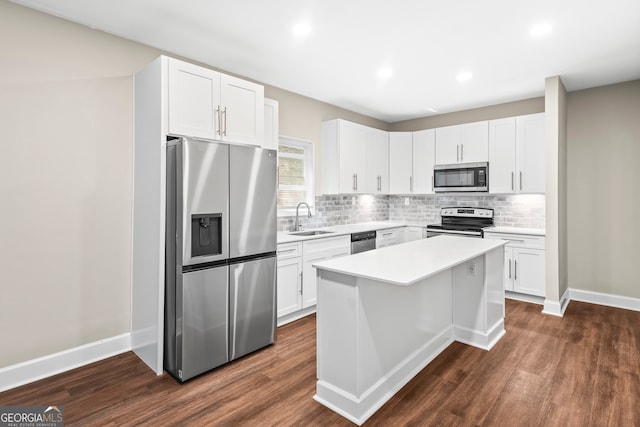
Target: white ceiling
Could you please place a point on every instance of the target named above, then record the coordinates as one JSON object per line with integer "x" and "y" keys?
{"x": 425, "y": 42}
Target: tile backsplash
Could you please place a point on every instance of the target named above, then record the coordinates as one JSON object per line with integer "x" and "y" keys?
{"x": 526, "y": 210}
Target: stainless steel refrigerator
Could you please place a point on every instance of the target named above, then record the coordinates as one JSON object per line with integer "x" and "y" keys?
{"x": 220, "y": 274}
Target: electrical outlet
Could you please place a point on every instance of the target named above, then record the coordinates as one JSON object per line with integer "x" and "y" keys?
{"x": 471, "y": 268}
{"x": 406, "y": 201}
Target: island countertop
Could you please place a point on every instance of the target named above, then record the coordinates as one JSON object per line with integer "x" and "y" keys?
{"x": 411, "y": 262}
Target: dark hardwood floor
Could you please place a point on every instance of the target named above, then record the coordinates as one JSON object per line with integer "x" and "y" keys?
{"x": 579, "y": 370}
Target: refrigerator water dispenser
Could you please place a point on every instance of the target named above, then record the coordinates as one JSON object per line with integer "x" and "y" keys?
{"x": 206, "y": 234}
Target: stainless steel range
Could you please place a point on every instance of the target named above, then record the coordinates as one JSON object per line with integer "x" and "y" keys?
{"x": 462, "y": 221}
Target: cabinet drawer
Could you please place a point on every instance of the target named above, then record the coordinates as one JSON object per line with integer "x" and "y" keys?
{"x": 328, "y": 245}
{"x": 289, "y": 250}
{"x": 518, "y": 240}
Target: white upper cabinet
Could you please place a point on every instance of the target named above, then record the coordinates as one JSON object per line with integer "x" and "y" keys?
{"x": 271, "y": 124}
{"x": 516, "y": 155}
{"x": 400, "y": 162}
{"x": 411, "y": 159}
{"x": 377, "y": 161}
{"x": 467, "y": 143}
{"x": 242, "y": 110}
{"x": 208, "y": 104}
{"x": 530, "y": 144}
{"x": 193, "y": 101}
{"x": 502, "y": 155}
{"x": 344, "y": 158}
{"x": 424, "y": 142}
{"x": 447, "y": 145}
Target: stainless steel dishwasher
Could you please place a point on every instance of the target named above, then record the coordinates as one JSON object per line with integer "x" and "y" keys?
{"x": 361, "y": 242}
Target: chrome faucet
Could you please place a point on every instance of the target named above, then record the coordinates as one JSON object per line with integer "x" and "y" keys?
{"x": 296, "y": 226}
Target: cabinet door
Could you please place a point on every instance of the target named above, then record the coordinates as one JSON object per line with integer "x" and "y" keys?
{"x": 309, "y": 280}
{"x": 377, "y": 161}
{"x": 400, "y": 162}
{"x": 474, "y": 142}
{"x": 530, "y": 142}
{"x": 447, "y": 145}
{"x": 271, "y": 124}
{"x": 502, "y": 156}
{"x": 289, "y": 285}
{"x": 352, "y": 157}
{"x": 242, "y": 114}
{"x": 528, "y": 271}
{"x": 412, "y": 233}
{"x": 193, "y": 100}
{"x": 423, "y": 161}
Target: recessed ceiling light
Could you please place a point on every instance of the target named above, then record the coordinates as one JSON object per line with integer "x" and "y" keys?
{"x": 301, "y": 29}
{"x": 540, "y": 30}
{"x": 385, "y": 73}
{"x": 464, "y": 76}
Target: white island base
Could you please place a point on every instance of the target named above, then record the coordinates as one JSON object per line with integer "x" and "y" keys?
{"x": 383, "y": 315}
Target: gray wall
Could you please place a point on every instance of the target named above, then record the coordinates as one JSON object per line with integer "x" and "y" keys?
{"x": 603, "y": 200}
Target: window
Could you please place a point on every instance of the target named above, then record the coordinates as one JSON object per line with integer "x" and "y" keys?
{"x": 295, "y": 174}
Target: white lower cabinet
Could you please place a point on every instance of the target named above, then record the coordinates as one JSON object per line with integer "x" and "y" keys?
{"x": 389, "y": 237}
{"x": 412, "y": 233}
{"x": 524, "y": 265}
{"x": 289, "y": 277}
{"x": 314, "y": 251}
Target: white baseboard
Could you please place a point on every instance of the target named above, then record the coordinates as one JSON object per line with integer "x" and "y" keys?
{"x": 609, "y": 300}
{"x": 557, "y": 308}
{"x": 296, "y": 315}
{"x": 524, "y": 297}
{"x": 52, "y": 364}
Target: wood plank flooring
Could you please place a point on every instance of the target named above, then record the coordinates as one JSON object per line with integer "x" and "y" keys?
{"x": 579, "y": 370}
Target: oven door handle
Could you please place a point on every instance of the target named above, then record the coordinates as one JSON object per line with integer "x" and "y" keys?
{"x": 466, "y": 233}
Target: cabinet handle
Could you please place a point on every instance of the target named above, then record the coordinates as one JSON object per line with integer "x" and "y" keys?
{"x": 286, "y": 251}
{"x": 457, "y": 152}
{"x": 301, "y": 283}
{"x": 509, "y": 269}
{"x": 512, "y": 180}
{"x": 356, "y": 182}
{"x": 515, "y": 240}
{"x": 462, "y": 152}
{"x": 219, "y": 119}
{"x": 515, "y": 270}
{"x": 520, "y": 180}
{"x": 386, "y": 234}
{"x": 353, "y": 182}
{"x": 411, "y": 184}
{"x": 225, "y": 122}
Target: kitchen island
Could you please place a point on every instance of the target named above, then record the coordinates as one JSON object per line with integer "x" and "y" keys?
{"x": 383, "y": 315}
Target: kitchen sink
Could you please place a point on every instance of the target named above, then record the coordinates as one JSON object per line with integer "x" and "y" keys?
{"x": 310, "y": 233}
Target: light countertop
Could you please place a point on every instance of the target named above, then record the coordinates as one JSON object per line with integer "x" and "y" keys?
{"x": 411, "y": 262}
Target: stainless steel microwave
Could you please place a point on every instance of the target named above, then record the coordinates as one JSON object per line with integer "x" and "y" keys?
{"x": 465, "y": 177}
